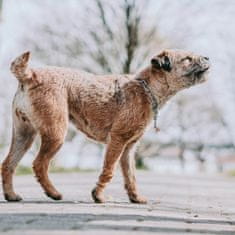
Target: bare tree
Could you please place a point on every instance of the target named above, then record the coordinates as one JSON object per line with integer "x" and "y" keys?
{"x": 110, "y": 37}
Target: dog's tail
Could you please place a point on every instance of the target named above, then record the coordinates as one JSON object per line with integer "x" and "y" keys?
{"x": 19, "y": 67}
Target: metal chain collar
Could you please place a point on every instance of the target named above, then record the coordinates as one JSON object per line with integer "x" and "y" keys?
{"x": 153, "y": 100}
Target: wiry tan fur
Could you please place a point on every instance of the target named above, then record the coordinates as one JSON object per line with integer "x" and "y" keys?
{"x": 48, "y": 98}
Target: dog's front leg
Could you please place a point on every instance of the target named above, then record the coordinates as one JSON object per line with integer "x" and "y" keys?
{"x": 114, "y": 150}
{"x": 128, "y": 170}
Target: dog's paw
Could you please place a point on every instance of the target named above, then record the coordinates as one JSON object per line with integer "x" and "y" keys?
{"x": 98, "y": 198}
{"x": 138, "y": 199}
{"x": 12, "y": 197}
{"x": 54, "y": 196}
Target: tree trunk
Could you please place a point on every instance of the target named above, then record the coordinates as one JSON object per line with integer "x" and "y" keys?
{"x": 1, "y": 1}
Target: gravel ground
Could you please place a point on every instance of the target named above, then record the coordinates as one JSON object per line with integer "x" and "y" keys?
{"x": 177, "y": 205}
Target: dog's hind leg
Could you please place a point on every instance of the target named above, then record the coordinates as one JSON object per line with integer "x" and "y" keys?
{"x": 127, "y": 162}
{"x": 52, "y": 138}
{"x": 23, "y": 135}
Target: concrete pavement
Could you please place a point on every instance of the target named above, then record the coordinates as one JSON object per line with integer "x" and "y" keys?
{"x": 177, "y": 205}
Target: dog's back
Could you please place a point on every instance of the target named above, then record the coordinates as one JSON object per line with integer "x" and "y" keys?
{"x": 90, "y": 101}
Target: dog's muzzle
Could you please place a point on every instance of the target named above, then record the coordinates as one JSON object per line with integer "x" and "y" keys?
{"x": 199, "y": 68}
{"x": 200, "y": 72}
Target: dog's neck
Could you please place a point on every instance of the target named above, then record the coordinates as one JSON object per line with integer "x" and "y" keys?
{"x": 158, "y": 85}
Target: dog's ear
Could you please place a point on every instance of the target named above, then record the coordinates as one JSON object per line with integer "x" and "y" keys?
{"x": 156, "y": 63}
{"x": 166, "y": 65}
{"x": 162, "y": 62}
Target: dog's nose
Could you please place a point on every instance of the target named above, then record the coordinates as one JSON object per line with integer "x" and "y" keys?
{"x": 204, "y": 60}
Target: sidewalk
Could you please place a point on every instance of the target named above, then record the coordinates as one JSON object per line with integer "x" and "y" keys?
{"x": 177, "y": 205}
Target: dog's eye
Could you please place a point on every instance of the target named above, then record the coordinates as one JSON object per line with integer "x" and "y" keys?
{"x": 187, "y": 59}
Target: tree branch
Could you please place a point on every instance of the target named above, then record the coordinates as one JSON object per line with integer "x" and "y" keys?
{"x": 103, "y": 18}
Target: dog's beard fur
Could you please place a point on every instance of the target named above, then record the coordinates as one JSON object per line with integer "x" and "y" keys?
{"x": 196, "y": 75}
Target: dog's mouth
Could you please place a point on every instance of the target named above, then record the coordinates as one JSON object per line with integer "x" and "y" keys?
{"x": 196, "y": 73}
{"x": 200, "y": 72}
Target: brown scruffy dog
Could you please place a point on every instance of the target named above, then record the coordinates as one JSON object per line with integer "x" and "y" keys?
{"x": 111, "y": 109}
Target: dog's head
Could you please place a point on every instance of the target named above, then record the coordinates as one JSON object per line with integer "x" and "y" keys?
{"x": 181, "y": 69}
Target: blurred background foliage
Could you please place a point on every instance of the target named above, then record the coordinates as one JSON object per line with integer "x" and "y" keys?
{"x": 100, "y": 36}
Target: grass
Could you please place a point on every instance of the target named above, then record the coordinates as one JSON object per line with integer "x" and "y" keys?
{"x": 69, "y": 170}
{"x": 24, "y": 170}
{"x": 231, "y": 173}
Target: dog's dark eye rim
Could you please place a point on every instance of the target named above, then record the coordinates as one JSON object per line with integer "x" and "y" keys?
{"x": 187, "y": 58}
